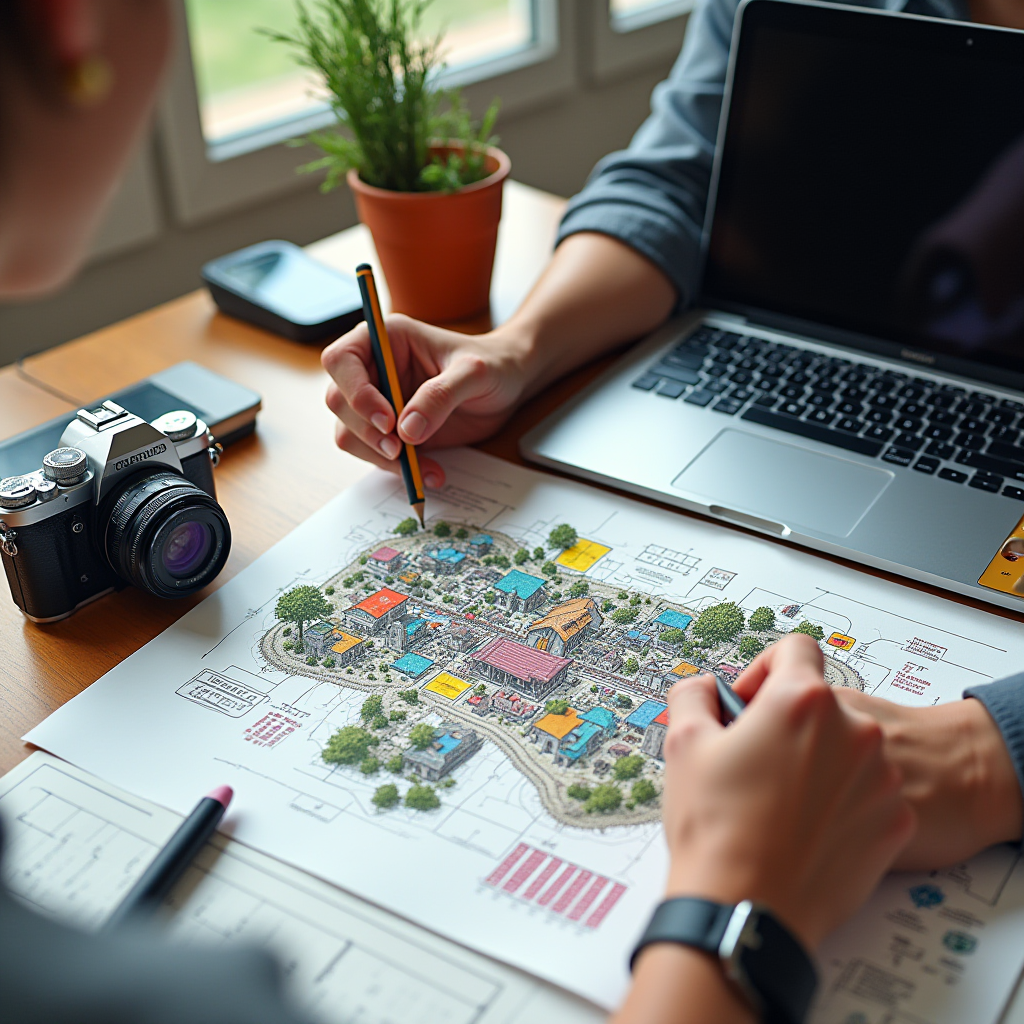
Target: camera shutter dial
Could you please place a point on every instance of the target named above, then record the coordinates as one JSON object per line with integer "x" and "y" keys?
{"x": 16, "y": 492}
{"x": 65, "y": 466}
{"x": 178, "y": 426}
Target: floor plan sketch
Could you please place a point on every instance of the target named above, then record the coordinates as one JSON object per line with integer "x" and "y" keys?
{"x": 403, "y": 712}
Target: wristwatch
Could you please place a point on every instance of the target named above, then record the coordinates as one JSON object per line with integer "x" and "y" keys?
{"x": 757, "y": 953}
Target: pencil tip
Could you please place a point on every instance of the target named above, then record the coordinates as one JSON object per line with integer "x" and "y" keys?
{"x": 418, "y": 508}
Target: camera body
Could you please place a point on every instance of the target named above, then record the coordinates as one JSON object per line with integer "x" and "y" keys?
{"x": 120, "y": 501}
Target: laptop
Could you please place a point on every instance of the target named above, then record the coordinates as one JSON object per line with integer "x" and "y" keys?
{"x": 853, "y": 380}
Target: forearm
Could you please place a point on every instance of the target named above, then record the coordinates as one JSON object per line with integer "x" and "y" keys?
{"x": 595, "y": 295}
{"x": 676, "y": 985}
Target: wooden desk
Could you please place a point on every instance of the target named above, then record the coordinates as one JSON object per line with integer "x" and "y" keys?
{"x": 268, "y": 483}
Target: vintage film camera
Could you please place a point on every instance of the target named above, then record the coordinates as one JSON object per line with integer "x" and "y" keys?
{"x": 120, "y": 501}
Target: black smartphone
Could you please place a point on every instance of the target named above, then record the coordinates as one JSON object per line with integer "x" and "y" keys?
{"x": 228, "y": 409}
{"x": 277, "y": 286}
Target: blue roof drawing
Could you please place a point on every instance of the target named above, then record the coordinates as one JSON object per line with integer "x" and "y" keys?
{"x": 635, "y": 634}
{"x": 412, "y": 664}
{"x": 482, "y": 538}
{"x": 601, "y": 717}
{"x": 673, "y": 619}
{"x": 581, "y": 737}
{"x": 447, "y": 743}
{"x": 522, "y": 584}
{"x": 412, "y": 627}
{"x": 446, "y": 555}
{"x": 646, "y": 713}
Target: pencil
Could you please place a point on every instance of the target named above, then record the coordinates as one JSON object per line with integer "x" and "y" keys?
{"x": 173, "y": 860}
{"x": 730, "y": 704}
{"x": 391, "y": 388}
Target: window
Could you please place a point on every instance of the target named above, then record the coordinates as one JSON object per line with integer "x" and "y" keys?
{"x": 629, "y": 15}
{"x": 630, "y": 34}
{"x": 247, "y": 83}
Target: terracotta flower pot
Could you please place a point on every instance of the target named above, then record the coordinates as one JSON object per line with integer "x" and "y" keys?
{"x": 436, "y": 248}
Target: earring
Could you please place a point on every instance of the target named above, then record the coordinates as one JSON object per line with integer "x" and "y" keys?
{"x": 88, "y": 81}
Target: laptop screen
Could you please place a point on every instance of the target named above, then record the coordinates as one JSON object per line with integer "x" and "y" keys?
{"x": 871, "y": 179}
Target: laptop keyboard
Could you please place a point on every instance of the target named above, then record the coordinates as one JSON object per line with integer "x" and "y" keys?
{"x": 959, "y": 435}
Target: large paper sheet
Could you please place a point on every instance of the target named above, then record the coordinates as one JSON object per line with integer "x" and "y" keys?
{"x": 544, "y": 849}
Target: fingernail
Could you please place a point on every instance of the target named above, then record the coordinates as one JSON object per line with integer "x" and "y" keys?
{"x": 432, "y": 480}
{"x": 380, "y": 421}
{"x": 414, "y": 426}
{"x": 390, "y": 446}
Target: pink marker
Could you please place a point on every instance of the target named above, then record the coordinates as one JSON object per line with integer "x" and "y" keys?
{"x": 172, "y": 861}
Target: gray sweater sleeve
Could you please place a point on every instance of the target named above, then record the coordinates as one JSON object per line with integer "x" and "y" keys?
{"x": 1004, "y": 701}
{"x": 652, "y": 196}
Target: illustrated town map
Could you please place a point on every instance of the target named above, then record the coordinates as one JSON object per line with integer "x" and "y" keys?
{"x": 464, "y": 724}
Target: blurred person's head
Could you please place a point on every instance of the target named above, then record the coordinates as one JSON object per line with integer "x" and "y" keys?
{"x": 77, "y": 82}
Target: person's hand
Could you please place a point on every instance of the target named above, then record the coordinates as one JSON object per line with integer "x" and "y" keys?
{"x": 957, "y": 775}
{"x": 793, "y": 804}
{"x": 458, "y": 389}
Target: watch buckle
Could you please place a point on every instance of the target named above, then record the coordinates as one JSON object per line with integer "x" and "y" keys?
{"x": 740, "y": 935}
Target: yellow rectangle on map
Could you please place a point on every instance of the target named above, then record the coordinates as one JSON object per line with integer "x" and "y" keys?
{"x": 841, "y": 640}
{"x": 447, "y": 685}
{"x": 582, "y": 555}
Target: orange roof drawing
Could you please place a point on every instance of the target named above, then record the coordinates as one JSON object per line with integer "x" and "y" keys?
{"x": 569, "y": 618}
{"x": 382, "y": 602}
{"x": 559, "y": 726}
{"x": 346, "y": 643}
{"x": 683, "y": 669}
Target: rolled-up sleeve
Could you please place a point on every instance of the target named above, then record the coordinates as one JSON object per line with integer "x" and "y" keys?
{"x": 652, "y": 196}
{"x": 1004, "y": 701}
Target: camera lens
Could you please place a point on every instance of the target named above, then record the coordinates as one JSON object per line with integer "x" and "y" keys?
{"x": 165, "y": 535}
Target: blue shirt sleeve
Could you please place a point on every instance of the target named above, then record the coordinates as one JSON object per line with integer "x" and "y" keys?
{"x": 1004, "y": 701}
{"x": 652, "y": 196}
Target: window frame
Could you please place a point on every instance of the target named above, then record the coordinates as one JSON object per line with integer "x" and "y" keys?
{"x": 205, "y": 182}
{"x": 621, "y": 45}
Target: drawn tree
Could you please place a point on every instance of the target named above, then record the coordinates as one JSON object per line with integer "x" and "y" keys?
{"x": 603, "y": 799}
{"x": 673, "y": 636}
{"x": 623, "y": 616}
{"x": 369, "y": 766}
{"x": 643, "y": 792}
{"x": 421, "y": 736}
{"x": 810, "y": 629}
{"x": 481, "y": 689}
{"x": 719, "y": 624}
{"x": 371, "y": 707}
{"x": 521, "y": 556}
{"x": 579, "y": 588}
{"x": 407, "y": 527}
{"x": 562, "y": 536}
{"x": 556, "y": 707}
{"x": 386, "y": 796}
{"x": 628, "y": 767}
{"x": 578, "y": 791}
{"x": 549, "y": 569}
{"x": 538, "y": 554}
{"x": 750, "y": 647}
{"x": 461, "y": 533}
{"x": 422, "y": 798}
{"x": 623, "y": 701}
{"x": 301, "y": 605}
{"x": 631, "y": 666}
{"x": 394, "y": 764}
{"x": 349, "y": 745}
{"x": 442, "y": 529}
{"x": 762, "y": 619}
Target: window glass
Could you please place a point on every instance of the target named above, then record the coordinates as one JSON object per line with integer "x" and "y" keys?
{"x": 632, "y": 13}
{"x": 247, "y": 82}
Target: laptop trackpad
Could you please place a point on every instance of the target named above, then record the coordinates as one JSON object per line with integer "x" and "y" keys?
{"x": 783, "y": 483}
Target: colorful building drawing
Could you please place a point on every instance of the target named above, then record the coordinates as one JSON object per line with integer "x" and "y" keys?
{"x": 654, "y": 738}
{"x": 405, "y": 632}
{"x": 549, "y": 731}
{"x": 595, "y": 725}
{"x": 461, "y": 639}
{"x": 508, "y": 702}
{"x": 410, "y": 577}
{"x": 481, "y": 544}
{"x": 376, "y": 611}
{"x": 323, "y": 639}
{"x": 531, "y": 672}
{"x": 565, "y": 626}
{"x": 443, "y": 561}
{"x": 671, "y": 619}
{"x": 841, "y": 641}
{"x": 453, "y": 744}
{"x": 518, "y": 591}
{"x": 582, "y": 555}
{"x": 681, "y": 671}
{"x": 384, "y": 561}
{"x": 444, "y": 684}
{"x": 646, "y": 713}
{"x": 412, "y": 665}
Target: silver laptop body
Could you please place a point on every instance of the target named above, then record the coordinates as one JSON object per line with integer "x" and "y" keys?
{"x": 881, "y": 419}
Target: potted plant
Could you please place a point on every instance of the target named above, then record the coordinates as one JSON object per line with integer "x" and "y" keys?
{"x": 427, "y": 179}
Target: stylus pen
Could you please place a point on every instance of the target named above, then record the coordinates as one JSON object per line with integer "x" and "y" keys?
{"x": 730, "y": 704}
{"x": 173, "y": 860}
{"x": 391, "y": 388}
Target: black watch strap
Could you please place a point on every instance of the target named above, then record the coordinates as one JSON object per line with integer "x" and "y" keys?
{"x": 756, "y": 952}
